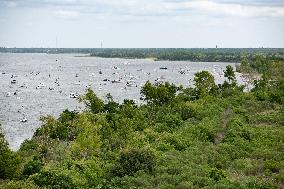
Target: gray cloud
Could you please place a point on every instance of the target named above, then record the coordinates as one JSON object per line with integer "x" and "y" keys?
{"x": 178, "y": 23}
{"x": 154, "y": 8}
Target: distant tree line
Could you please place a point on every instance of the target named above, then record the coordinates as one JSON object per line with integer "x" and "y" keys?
{"x": 202, "y": 55}
{"x": 172, "y": 54}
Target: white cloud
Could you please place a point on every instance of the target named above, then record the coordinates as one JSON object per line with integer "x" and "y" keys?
{"x": 233, "y": 9}
{"x": 9, "y": 4}
{"x": 67, "y": 14}
{"x": 244, "y": 8}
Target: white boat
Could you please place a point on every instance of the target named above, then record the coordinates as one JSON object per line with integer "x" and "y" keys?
{"x": 74, "y": 95}
{"x": 41, "y": 86}
{"x": 14, "y": 81}
{"x": 24, "y": 120}
{"x": 131, "y": 83}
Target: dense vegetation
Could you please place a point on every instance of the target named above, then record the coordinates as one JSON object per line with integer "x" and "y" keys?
{"x": 209, "y": 136}
{"x": 202, "y": 55}
{"x": 177, "y": 54}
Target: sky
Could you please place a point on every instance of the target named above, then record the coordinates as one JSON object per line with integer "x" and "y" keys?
{"x": 142, "y": 23}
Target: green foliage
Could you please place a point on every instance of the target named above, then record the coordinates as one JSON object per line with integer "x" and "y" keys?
{"x": 53, "y": 179}
{"x": 159, "y": 93}
{"x": 19, "y": 184}
{"x": 216, "y": 174}
{"x": 131, "y": 161}
{"x": 62, "y": 129}
{"x": 204, "y": 83}
{"x": 230, "y": 74}
{"x": 196, "y": 55}
{"x": 9, "y": 161}
{"x": 32, "y": 167}
{"x": 207, "y": 136}
{"x": 92, "y": 102}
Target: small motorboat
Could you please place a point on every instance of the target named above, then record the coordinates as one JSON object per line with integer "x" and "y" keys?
{"x": 41, "y": 86}
{"x": 14, "y": 81}
{"x": 24, "y": 120}
{"x": 74, "y": 95}
{"x": 116, "y": 81}
{"x": 131, "y": 83}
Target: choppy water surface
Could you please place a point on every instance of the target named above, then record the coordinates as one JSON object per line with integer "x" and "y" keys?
{"x": 44, "y": 83}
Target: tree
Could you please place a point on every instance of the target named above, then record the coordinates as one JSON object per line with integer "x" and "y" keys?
{"x": 111, "y": 106}
{"x": 230, "y": 74}
{"x": 204, "y": 83}
{"x": 9, "y": 161}
{"x": 159, "y": 93}
{"x": 92, "y": 102}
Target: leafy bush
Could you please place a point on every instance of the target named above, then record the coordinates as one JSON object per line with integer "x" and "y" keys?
{"x": 216, "y": 174}
{"x": 53, "y": 179}
{"x": 9, "y": 161}
{"x": 131, "y": 161}
{"x": 32, "y": 167}
{"x": 63, "y": 128}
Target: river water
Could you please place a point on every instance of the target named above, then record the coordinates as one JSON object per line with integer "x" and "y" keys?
{"x": 45, "y": 84}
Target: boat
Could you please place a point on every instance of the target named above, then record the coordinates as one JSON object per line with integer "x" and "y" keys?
{"x": 163, "y": 68}
{"x": 74, "y": 95}
{"x": 24, "y": 120}
{"x": 131, "y": 83}
{"x": 14, "y": 81}
{"x": 40, "y": 86}
{"x": 116, "y": 81}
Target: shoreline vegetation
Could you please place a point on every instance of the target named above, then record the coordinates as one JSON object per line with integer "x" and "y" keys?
{"x": 170, "y": 54}
{"x": 208, "y": 136}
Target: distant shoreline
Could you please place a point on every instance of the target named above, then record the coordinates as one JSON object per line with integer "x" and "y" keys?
{"x": 163, "y": 54}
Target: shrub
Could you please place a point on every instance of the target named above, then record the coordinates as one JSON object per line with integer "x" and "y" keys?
{"x": 216, "y": 174}
{"x": 67, "y": 116}
{"x": 260, "y": 185}
{"x": 133, "y": 160}
{"x": 52, "y": 179}
{"x": 32, "y": 167}
{"x": 28, "y": 145}
{"x": 62, "y": 128}
{"x": 272, "y": 165}
{"x": 19, "y": 184}
{"x": 9, "y": 161}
